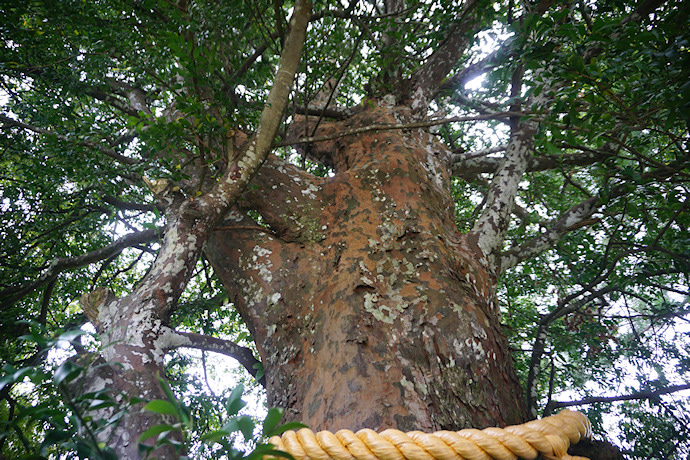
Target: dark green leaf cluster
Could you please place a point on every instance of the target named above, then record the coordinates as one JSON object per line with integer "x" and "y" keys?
{"x": 221, "y": 440}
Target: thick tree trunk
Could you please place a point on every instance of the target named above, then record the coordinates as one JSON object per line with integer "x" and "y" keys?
{"x": 368, "y": 307}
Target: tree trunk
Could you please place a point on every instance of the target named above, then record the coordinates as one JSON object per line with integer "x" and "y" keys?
{"x": 368, "y": 307}
{"x": 129, "y": 364}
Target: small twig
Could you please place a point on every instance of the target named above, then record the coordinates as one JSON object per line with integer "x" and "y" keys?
{"x": 387, "y": 127}
{"x": 203, "y": 365}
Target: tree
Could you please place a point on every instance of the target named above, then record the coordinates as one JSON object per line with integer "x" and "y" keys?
{"x": 405, "y": 249}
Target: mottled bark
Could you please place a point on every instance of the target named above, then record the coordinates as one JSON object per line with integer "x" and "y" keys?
{"x": 368, "y": 308}
{"x": 133, "y": 328}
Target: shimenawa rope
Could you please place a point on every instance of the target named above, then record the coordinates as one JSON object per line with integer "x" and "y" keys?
{"x": 550, "y": 437}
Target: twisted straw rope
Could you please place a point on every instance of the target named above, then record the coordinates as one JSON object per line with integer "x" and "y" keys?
{"x": 550, "y": 437}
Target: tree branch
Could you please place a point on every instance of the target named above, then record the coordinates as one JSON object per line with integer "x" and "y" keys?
{"x": 539, "y": 346}
{"x": 468, "y": 166}
{"x": 647, "y": 394}
{"x": 574, "y": 218}
{"x": 490, "y": 228}
{"x": 328, "y": 112}
{"x": 240, "y": 172}
{"x": 295, "y": 198}
{"x": 9, "y": 122}
{"x": 126, "y": 205}
{"x": 192, "y": 220}
{"x": 387, "y": 127}
{"x": 176, "y": 339}
{"x": 427, "y": 79}
{"x": 12, "y": 295}
{"x": 476, "y": 69}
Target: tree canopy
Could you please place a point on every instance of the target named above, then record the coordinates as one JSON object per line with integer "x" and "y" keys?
{"x": 114, "y": 112}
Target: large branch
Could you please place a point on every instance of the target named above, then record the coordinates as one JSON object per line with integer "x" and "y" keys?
{"x": 176, "y": 339}
{"x": 476, "y": 69}
{"x": 427, "y": 79}
{"x": 574, "y": 218}
{"x": 251, "y": 262}
{"x": 238, "y": 174}
{"x": 57, "y": 266}
{"x": 296, "y": 199}
{"x": 468, "y": 166}
{"x": 131, "y": 109}
{"x": 189, "y": 226}
{"x": 578, "y": 216}
{"x": 490, "y": 228}
{"x": 115, "y": 98}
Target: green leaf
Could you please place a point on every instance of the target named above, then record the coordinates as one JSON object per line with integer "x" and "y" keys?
{"x": 577, "y": 63}
{"x": 271, "y": 421}
{"x": 234, "y": 403}
{"x": 288, "y": 426}
{"x": 67, "y": 372}
{"x": 259, "y": 370}
{"x": 243, "y": 424}
{"x": 161, "y": 406}
{"x": 166, "y": 389}
{"x": 14, "y": 377}
{"x": 552, "y": 149}
{"x": 70, "y": 335}
{"x": 263, "y": 450}
{"x": 53, "y": 437}
{"x": 246, "y": 425}
{"x": 155, "y": 430}
{"x": 214, "y": 436}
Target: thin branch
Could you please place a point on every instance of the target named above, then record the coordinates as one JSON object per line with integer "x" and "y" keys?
{"x": 250, "y": 60}
{"x": 128, "y": 206}
{"x": 9, "y": 122}
{"x": 57, "y": 266}
{"x": 45, "y": 302}
{"x": 131, "y": 110}
{"x": 539, "y": 346}
{"x": 203, "y": 365}
{"x": 386, "y": 127}
{"x": 333, "y": 91}
{"x": 647, "y": 394}
{"x": 464, "y": 157}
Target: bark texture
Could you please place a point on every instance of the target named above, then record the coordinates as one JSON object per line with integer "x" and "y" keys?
{"x": 368, "y": 308}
